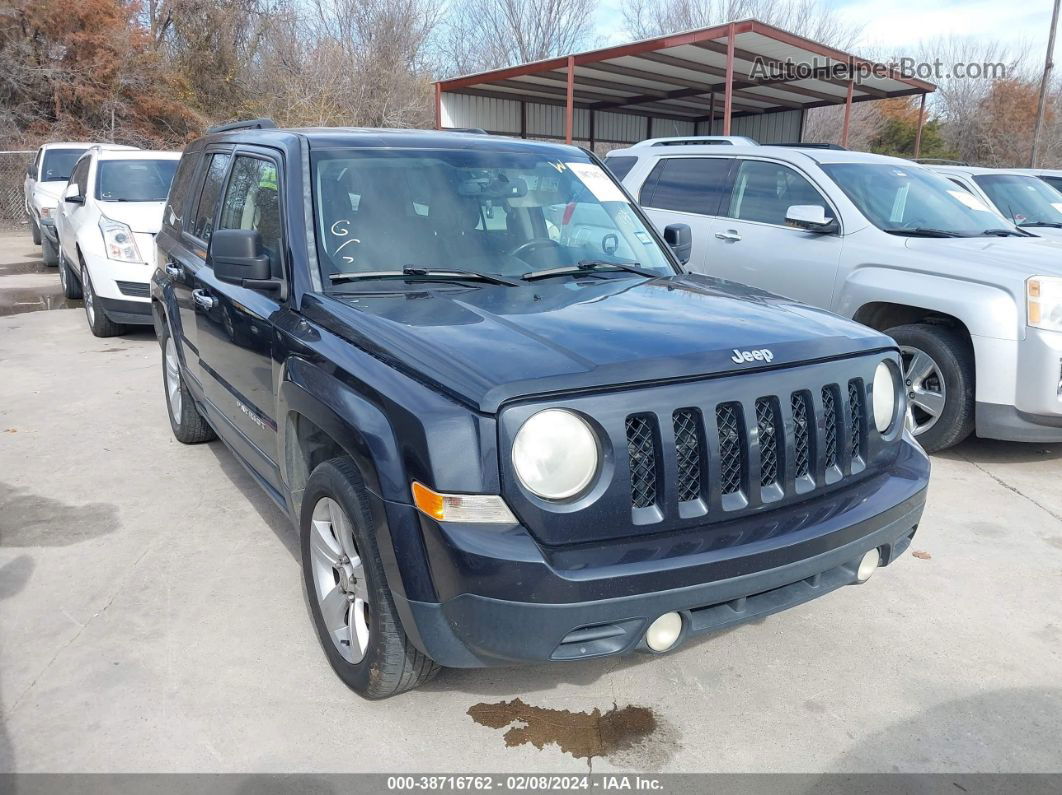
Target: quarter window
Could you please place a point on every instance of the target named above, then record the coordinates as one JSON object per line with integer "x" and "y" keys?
{"x": 621, "y": 165}
{"x": 687, "y": 184}
{"x": 253, "y": 202}
{"x": 764, "y": 191}
{"x": 206, "y": 210}
{"x": 79, "y": 176}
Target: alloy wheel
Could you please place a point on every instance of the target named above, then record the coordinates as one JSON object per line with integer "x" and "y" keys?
{"x": 90, "y": 297}
{"x": 926, "y": 390}
{"x": 339, "y": 580}
{"x": 172, "y": 376}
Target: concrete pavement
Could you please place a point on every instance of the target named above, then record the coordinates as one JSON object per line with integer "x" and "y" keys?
{"x": 152, "y": 617}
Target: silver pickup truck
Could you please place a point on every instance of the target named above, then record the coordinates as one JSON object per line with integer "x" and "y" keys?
{"x": 974, "y": 302}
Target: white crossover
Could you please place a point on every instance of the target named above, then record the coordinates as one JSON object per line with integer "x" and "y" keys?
{"x": 1023, "y": 199}
{"x": 107, "y": 220}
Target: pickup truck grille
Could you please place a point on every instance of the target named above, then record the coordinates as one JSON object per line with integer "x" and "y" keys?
{"x": 764, "y": 449}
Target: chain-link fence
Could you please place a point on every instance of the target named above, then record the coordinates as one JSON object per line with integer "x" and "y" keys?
{"x": 12, "y": 174}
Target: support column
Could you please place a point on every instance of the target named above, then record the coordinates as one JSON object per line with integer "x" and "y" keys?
{"x": 592, "y": 130}
{"x": 848, "y": 114}
{"x": 569, "y": 104}
{"x": 438, "y": 106}
{"x": 711, "y": 113}
{"x": 921, "y": 120}
{"x": 729, "y": 96}
{"x": 523, "y": 119}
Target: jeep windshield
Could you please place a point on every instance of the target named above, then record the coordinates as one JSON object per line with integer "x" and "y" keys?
{"x": 912, "y": 201}
{"x": 1025, "y": 200}
{"x": 415, "y": 214}
{"x": 58, "y": 163}
{"x": 134, "y": 180}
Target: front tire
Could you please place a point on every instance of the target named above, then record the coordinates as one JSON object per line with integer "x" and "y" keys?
{"x": 350, "y": 603}
{"x": 938, "y": 372}
{"x": 49, "y": 252}
{"x": 187, "y": 423}
{"x": 71, "y": 286}
{"x": 99, "y": 323}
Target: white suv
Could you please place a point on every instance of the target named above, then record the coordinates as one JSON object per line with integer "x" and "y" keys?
{"x": 974, "y": 302}
{"x": 45, "y": 179}
{"x": 1022, "y": 198}
{"x": 107, "y": 222}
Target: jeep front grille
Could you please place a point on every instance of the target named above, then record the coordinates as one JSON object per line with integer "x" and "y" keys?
{"x": 779, "y": 445}
{"x": 688, "y": 453}
{"x": 641, "y": 453}
{"x": 731, "y": 447}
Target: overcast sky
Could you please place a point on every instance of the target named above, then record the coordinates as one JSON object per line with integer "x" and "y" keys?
{"x": 898, "y": 26}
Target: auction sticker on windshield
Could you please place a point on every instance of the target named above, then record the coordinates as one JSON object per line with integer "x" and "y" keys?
{"x": 970, "y": 201}
{"x": 599, "y": 183}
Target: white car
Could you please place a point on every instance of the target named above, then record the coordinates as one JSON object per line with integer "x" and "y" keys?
{"x": 107, "y": 222}
{"x": 974, "y": 302}
{"x": 1052, "y": 176}
{"x": 1022, "y": 198}
{"x": 45, "y": 180}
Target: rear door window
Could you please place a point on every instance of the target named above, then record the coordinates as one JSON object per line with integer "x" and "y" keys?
{"x": 177, "y": 200}
{"x": 206, "y": 208}
{"x": 687, "y": 184}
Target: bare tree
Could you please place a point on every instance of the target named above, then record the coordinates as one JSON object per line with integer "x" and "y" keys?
{"x": 487, "y": 34}
{"x": 810, "y": 18}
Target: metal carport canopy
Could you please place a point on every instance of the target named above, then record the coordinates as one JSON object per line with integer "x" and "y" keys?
{"x": 728, "y": 71}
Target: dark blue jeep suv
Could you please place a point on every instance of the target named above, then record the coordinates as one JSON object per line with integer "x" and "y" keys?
{"x": 508, "y": 426}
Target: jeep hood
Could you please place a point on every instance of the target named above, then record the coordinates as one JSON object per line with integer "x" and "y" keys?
{"x": 489, "y": 344}
{"x": 139, "y": 216}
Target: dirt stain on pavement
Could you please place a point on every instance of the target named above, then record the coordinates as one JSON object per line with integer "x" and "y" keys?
{"x": 29, "y": 520}
{"x": 624, "y": 735}
{"x": 23, "y": 300}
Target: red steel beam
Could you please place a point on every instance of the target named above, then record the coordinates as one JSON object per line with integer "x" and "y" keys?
{"x": 728, "y": 101}
{"x": 569, "y": 103}
{"x": 848, "y": 114}
{"x": 438, "y": 107}
{"x": 918, "y": 132}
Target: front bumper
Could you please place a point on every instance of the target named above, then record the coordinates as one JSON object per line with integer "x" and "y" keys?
{"x": 505, "y": 600}
{"x": 1035, "y": 412}
{"x": 122, "y": 288}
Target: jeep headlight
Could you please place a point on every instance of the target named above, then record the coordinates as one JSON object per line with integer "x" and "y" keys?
{"x": 118, "y": 241}
{"x": 555, "y": 454}
{"x": 886, "y": 385}
{"x": 1043, "y": 296}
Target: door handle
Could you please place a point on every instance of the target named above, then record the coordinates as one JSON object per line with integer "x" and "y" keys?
{"x": 729, "y": 234}
{"x": 203, "y": 301}
{"x": 173, "y": 270}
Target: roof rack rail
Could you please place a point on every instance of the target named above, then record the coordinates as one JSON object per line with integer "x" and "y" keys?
{"x": 249, "y": 124}
{"x": 939, "y": 161}
{"x": 836, "y": 147}
{"x": 703, "y": 140}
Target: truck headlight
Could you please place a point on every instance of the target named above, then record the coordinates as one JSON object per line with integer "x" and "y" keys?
{"x": 555, "y": 454}
{"x": 886, "y": 384}
{"x": 118, "y": 241}
{"x": 46, "y": 212}
{"x": 1043, "y": 296}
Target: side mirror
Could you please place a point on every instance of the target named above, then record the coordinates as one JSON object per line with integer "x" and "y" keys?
{"x": 811, "y": 218}
{"x": 680, "y": 238}
{"x": 72, "y": 195}
{"x": 238, "y": 257}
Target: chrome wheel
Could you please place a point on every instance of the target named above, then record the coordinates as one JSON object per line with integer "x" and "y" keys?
{"x": 90, "y": 298}
{"x": 172, "y": 377}
{"x": 926, "y": 392}
{"x": 339, "y": 580}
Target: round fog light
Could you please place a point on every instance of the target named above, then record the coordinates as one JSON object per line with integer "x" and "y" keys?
{"x": 663, "y": 632}
{"x": 868, "y": 565}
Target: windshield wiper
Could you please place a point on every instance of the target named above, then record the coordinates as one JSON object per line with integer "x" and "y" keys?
{"x": 1008, "y": 232}
{"x": 1052, "y": 224}
{"x": 588, "y": 265}
{"x": 921, "y": 231}
{"x": 436, "y": 274}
